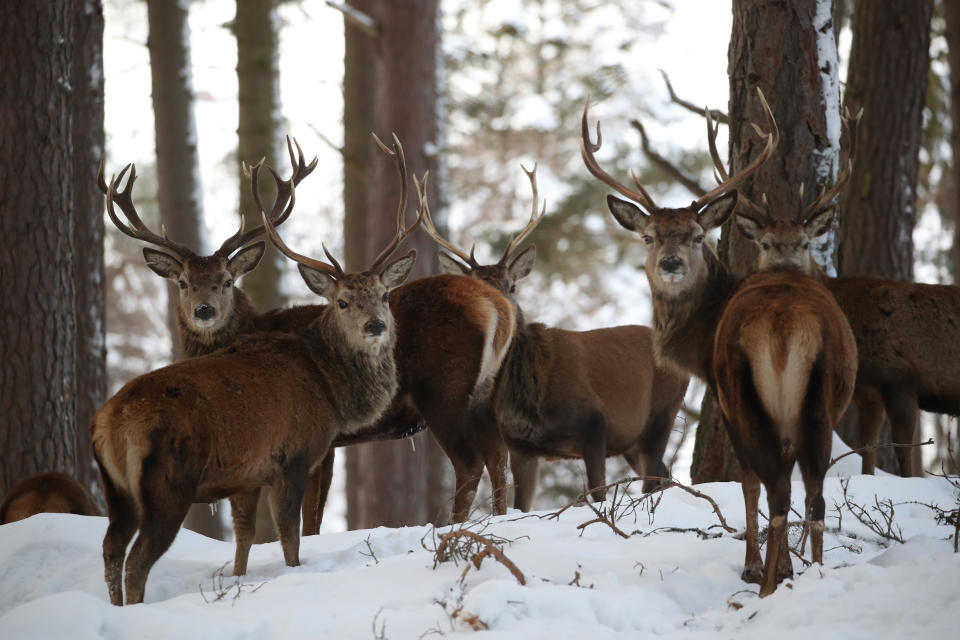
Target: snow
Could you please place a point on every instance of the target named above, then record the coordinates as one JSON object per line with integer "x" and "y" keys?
{"x": 580, "y": 582}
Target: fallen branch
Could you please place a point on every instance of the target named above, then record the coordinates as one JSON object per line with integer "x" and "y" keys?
{"x": 870, "y": 447}
{"x": 489, "y": 550}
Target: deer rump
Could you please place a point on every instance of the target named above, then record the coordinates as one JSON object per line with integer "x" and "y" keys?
{"x": 557, "y": 388}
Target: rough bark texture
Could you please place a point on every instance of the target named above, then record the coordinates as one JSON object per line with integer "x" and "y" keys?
{"x": 177, "y": 165}
{"x": 258, "y": 76}
{"x": 37, "y": 270}
{"x": 887, "y": 77}
{"x": 951, "y": 11}
{"x": 773, "y": 46}
{"x": 88, "y": 232}
{"x": 359, "y": 94}
{"x": 394, "y": 487}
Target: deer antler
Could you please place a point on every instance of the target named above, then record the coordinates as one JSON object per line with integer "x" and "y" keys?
{"x": 431, "y": 230}
{"x": 401, "y": 232}
{"x": 334, "y": 270}
{"x": 284, "y": 196}
{"x": 727, "y": 183}
{"x": 825, "y": 199}
{"x": 588, "y": 148}
{"x": 124, "y": 199}
{"x": 534, "y": 218}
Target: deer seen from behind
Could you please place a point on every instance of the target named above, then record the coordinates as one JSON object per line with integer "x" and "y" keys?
{"x": 572, "y": 394}
{"x": 262, "y": 412}
{"x": 776, "y": 349}
{"x": 47, "y": 492}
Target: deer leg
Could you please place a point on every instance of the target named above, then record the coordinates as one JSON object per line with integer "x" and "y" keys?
{"x": 752, "y": 563}
{"x": 287, "y": 498}
{"x": 243, "y": 509}
{"x": 595, "y": 456}
{"x": 901, "y": 405}
{"x": 123, "y": 524}
{"x": 467, "y": 470}
{"x": 315, "y": 495}
{"x": 495, "y": 459}
{"x": 646, "y": 457}
{"x": 870, "y": 408}
{"x": 525, "y": 471}
{"x": 778, "y": 502}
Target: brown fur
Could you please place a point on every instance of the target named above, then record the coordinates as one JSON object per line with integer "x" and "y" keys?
{"x": 785, "y": 327}
{"x": 49, "y": 492}
{"x": 262, "y": 412}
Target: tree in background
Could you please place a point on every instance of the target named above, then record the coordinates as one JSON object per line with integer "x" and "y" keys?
{"x": 90, "y": 303}
{"x": 887, "y": 77}
{"x": 177, "y": 164}
{"x": 38, "y": 333}
{"x": 777, "y": 47}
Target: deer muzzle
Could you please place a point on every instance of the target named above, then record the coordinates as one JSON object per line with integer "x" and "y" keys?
{"x": 374, "y": 328}
{"x": 204, "y": 311}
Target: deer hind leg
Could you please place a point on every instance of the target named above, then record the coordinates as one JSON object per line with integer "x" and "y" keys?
{"x": 243, "y": 509}
{"x": 287, "y": 497}
{"x": 778, "y": 502}
{"x": 123, "y": 524}
{"x": 315, "y": 495}
{"x": 646, "y": 457}
{"x": 901, "y": 405}
{"x": 752, "y": 562}
{"x": 595, "y": 456}
{"x": 870, "y": 409}
{"x": 525, "y": 470}
{"x": 495, "y": 459}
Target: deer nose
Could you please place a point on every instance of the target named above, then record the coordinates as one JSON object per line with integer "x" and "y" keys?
{"x": 204, "y": 311}
{"x": 374, "y": 327}
{"x": 671, "y": 264}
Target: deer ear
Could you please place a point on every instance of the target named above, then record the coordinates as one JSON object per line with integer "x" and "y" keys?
{"x": 452, "y": 266}
{"x": 717, "y": 212}
{"x": 630, "y": 216}
{"x": 397, "y": 271}
{"x": 162, "y": 264}
{"x": 749, "y": 227}
{"x": 522, "y": 265}
{"x": 246, "y": 259}
{"x": 820, "y": 223}
{"x": 319, "y": 282}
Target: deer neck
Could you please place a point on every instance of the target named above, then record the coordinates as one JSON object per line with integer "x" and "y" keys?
{"x": 519, "y": 387}
{"x": 685, "y": 324}
{"x": 360, "y": 383}
{"x": 240, "y": 322}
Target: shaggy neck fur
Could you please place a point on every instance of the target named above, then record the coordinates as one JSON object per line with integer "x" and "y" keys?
{"x": 359, "y": 383}
{"x": 196, "y": 342}
{"x": 518, "y": 389}
{"x": 685, "y": 324}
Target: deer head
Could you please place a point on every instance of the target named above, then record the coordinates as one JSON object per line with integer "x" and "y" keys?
{"x": 674, "y": 237}
{"x": 360, "y": 302}
{"x": 206, "y": 283}
{"x": 785, "y": 243}
{"x": 511, "y": 267}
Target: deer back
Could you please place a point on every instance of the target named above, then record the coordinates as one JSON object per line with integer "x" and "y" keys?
{"x": 49, "y": 492}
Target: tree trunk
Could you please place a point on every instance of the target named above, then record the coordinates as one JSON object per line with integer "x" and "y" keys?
{"x": 951, "y": 11}
{"x": 887, "y": 77}
{"x": 780, "y": 48}
{"x": 38, "y": 333}
{"x": 88, "y": 145}
{"x": 177, "y": 165}
{"x": 258, "y": 76}
{"x": 394, "y": 491}
{"x": 359, "y": 94}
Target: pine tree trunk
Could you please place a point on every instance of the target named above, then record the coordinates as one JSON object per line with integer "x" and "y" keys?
{"x": 887, "y": 77}
{"x": 38, "y": 332}
{"x": 88, "y": 141}
{"x": 775, "y": 46}
{"x": 177, "y": 165}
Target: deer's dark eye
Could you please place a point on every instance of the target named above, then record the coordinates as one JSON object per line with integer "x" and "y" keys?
{"x": 183, "y": 284}
{"x": 806, "y": 245}
{"x": 342, "y": 304}
{"x": 513, "y": 288}
{"x": 647, "y": 239}
{"x": 228, "y": 284}
{"x": 386, "y": 296}
{"x": 698, "y": 239}
{"x": 765, "y": 246}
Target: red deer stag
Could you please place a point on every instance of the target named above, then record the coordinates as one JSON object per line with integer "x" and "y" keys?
{"x": 906, "y": 341}
{"x": 776, "y": 349}
{"x": 49, "y": 492}
{"x": 572, "y": 394}
{"x": 262, "y": 412}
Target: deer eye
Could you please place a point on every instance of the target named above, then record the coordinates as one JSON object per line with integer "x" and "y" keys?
{"x": 765, "y": 246}
{"x": 698, "y": 239}
{"x": 806, "y": 245}
{"x": 228, "y": 284}
{"x": 647, "y": 239}
{"x": 342, "y": 304}
{"x": 183, "y": 284}
{"x": 513, "y": 288}
{"x": 386, "y": 296}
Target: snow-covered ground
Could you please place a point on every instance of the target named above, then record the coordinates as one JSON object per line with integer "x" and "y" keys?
{"x": 580, "y": 582}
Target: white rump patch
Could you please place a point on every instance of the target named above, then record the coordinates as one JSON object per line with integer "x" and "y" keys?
{"x": 492, "y": 358}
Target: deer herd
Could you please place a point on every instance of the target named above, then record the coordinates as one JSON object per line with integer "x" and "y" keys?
{"x": 264, "y": 399}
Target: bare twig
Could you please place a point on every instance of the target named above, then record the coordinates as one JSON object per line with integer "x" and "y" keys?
{"x": 357, "y": 18}
{"x": 488, "y": 549}
{"x": 718, "y": 116}
{"x": 870, "y": 447}
{"x": 665, "y": 165}
{"x": 381, "y": 633}
{"x": 884, "y": 527}
{"x": 220, "y": 588}
{"x": 369, "y": 553}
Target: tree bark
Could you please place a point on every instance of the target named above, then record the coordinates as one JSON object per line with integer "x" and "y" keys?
{"x": 394, "y": 490}
{"x": 177, "y": 166}
{"x": 887, "y": 77}
{"x": 88, "y": 145}
{"x": 38, "y": 333}
{"x": 789, "y": 51}
{"x": 951, "y": 11}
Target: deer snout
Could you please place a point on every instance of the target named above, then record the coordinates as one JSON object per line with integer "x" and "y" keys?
{"x": 203, "y": 311}
{"x": 671, "y": 264}
{"x": 375, "y": 327}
